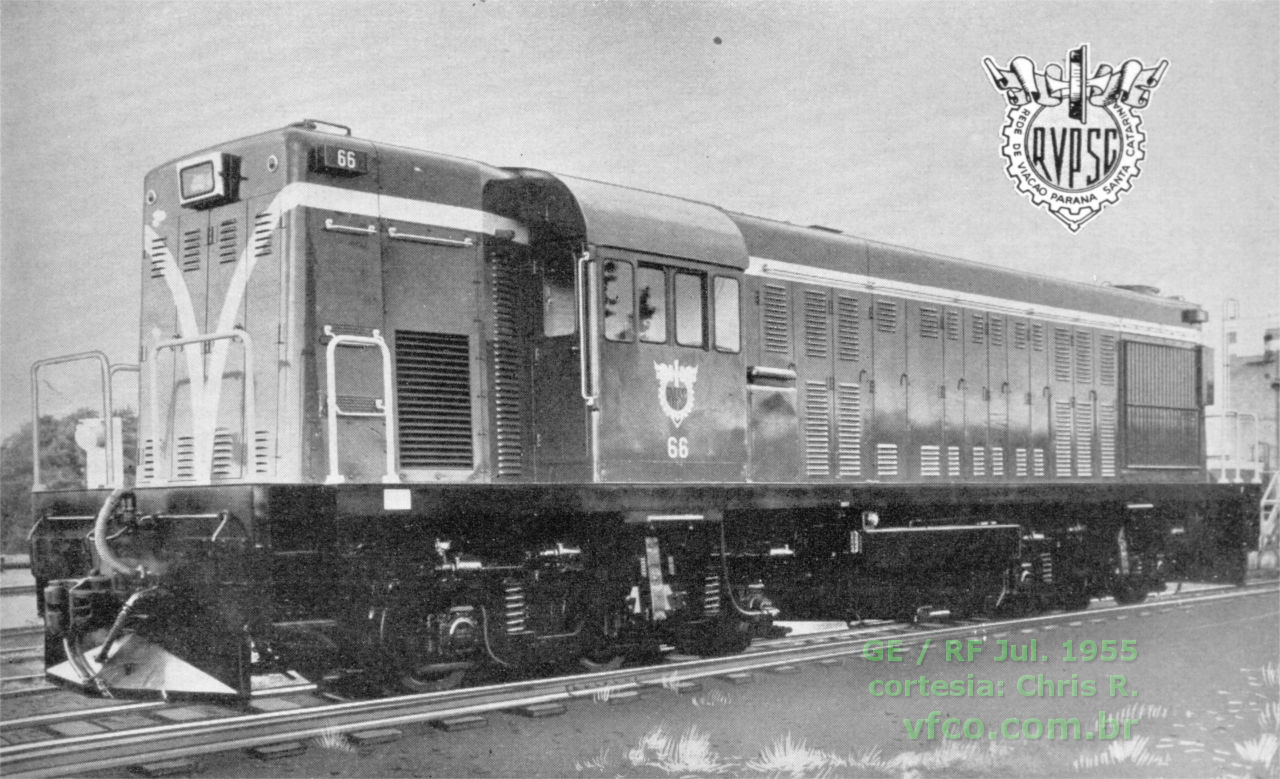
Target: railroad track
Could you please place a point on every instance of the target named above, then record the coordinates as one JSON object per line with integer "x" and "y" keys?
{"x": 157, "y": 743}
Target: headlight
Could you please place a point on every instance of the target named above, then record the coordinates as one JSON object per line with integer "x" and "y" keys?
{"x": 208, "y": 180}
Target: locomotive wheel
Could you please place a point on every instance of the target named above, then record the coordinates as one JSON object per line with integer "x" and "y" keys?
{"x": 1073, "y": 594}
{"x": 601, "y": 662}
{"x": 1126, "y": 591}
{"x": 434, "y": 678}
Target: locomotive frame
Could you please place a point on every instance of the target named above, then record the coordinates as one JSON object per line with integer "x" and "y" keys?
{"x": 405, "y": 416}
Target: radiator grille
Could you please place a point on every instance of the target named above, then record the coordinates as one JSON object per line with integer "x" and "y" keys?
{"x": 433, "y": 398}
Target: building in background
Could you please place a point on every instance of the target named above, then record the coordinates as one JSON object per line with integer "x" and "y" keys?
{"x": 1243, "y": 437}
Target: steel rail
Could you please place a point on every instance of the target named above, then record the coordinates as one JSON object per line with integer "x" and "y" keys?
{"x": 81, "y": 754}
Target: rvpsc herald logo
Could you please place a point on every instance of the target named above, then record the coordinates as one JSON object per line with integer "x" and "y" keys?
{"x": 1074, "y": 144}
{"x": 675, "y": 389}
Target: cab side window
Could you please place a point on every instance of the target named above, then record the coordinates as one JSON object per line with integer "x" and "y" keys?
{"x": 559, "y": 304}
{"x": 690, "y": 292}
{"x": 619, "y": 301}
{"x": 652, "y": 296}
{"x": 728, "y": 315}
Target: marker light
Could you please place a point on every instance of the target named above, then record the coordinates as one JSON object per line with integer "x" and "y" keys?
{"x": 208, "y": 180}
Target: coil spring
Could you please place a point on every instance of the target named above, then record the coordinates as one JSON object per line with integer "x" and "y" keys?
{"x": 514, "y": 610}
{"x": 711, "y": 595}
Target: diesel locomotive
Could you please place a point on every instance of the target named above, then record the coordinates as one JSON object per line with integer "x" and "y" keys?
{"x": 404, "y": 417}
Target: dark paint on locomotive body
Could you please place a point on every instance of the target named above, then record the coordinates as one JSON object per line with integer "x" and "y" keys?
{"x": 414, "y": 414}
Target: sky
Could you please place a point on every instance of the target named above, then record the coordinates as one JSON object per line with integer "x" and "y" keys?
{"x": 877, "y": 119}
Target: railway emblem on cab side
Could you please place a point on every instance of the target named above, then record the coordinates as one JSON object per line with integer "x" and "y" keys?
{"x": 675, "y": 389}
{"x": 1074, "y": 144}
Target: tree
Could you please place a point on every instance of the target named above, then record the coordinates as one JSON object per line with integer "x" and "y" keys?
{"x": 62, "y": 466}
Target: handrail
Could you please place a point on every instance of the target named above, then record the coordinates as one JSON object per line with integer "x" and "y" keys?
{"x": 1231, "y": 456}
{"x": 331, "y": 401}
{"x": 107, "y": 405}
{"x": 250, "y": 410}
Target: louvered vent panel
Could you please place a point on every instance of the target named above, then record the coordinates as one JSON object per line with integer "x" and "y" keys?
{"x": 1084, "y": 356}
{"x": 930, "y": 460}
{"x": 1020, "y": 461}
{"x": 849, "y": 429}
{"x": 886, "y": 317}
{"x": 1061, "y": 354}
{"x": 508, "y": 369}
{"x": 995, "y": 331}
{"x": 262, "y": 454}
{"x": 184, "y": 459}
{"x": 158, "y": 249}
{"x": 263, "y": 226}
{"x": 886, "y": 460}
{"x": 1037, "y": 463}
{"x": 979, "y": 461}
{"x": 978, "y": 331}
{"x": 953, "y": 325}
{"x": 1107, "y": 359}
{"x": 997, "y": 461}
{"x": 433, "y": 398}
{"x": 1106, "y": 440}
{"x": 224, "y": 454}
{"x": 817, "y": 429}
{"x": 953, "y": 461}
{"x": 1037, "y": 336}
{"x": 777, "y": 318}
{"x": 1061, "y": 438}
{"x": 815, "y": 323}
{"x": 228, "y": 240}
{"x": 1021, "y": 335}
{"x": 192, "y": 244}
{"x": 930, "y": 322}
{"x": 1084, "y": 439}
{"x": 147, "y": 468}
{"x": 848, "y": 337}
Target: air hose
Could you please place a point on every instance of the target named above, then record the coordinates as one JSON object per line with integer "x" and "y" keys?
{"x": 100, "y": 545}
